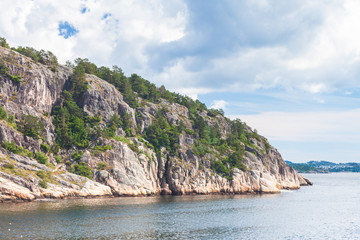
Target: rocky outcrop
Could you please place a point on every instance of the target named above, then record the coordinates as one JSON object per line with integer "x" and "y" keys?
{"x": 130, "y": 166}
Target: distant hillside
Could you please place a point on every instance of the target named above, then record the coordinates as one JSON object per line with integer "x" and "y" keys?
{"x": 324, "y": 167}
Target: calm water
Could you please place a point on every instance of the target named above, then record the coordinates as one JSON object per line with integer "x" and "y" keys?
{"x": 328, "y": 210}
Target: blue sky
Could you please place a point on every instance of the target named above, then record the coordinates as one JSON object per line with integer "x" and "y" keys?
{"x": 290, "y": 69}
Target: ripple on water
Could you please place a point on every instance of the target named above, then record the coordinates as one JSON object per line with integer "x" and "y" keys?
{"x": 327, "y": 210}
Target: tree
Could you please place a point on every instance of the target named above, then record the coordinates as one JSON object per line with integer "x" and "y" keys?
{"x": 31, "y": 126}
{"x": 3, "y": 43}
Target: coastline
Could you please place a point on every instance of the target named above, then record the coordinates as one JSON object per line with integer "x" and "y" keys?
{"x": 44, "y": 199}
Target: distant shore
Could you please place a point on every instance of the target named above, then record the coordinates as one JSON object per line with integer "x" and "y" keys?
{"x": 324, "y": 167}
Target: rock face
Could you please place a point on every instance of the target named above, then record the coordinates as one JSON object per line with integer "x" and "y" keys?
{"x": 131, "y": 166}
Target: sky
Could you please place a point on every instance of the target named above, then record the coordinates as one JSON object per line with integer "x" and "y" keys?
{"x": 290, "y": 69}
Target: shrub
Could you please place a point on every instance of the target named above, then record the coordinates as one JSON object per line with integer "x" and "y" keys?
{"x": 31, "y": 126}
{"x": 4, "y": 71}
{"x": 43, "y": 184}
{"x": 9, "y": 166}
{"x": 41, "y": 174}
{"x": 3, "y": 43}
{"x": 81, "y": 169}
{"x": 11, "y": 119}
{"x": 121, "y": 139}
{"x": 12, "y": 147}
{"x": 58, "y": 159}
{"x": 2, "y": 113}
{"x": 220, "y": 168}
{"x": 101, "y": 166}
{"x": 44, "y": 147}
{"x": 41, "y": 157}
{"x": 76, "y": 156}
{"x": 103, "y": 148}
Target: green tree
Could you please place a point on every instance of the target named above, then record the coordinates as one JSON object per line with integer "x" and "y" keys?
{"x": 3, "y": 43}
{"x": 31, "y": 126}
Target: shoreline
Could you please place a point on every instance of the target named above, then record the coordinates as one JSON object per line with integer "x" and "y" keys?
{"x": 145, "y": 196}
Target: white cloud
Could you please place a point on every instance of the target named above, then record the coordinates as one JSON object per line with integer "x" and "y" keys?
{"x": 330, "y": 126}
{"x": 309, "y": 46}
{"x": 119, "y": 39}
{"x": 219, "y": 104}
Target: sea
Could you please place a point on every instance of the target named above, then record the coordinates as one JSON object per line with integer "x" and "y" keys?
{"x": 330, "y": 209}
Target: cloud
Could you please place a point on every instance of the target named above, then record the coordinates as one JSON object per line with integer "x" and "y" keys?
{"x": 109, "y": 32}
{"x": 238, "y": 46}
{"x": 329, "y": 126}
{"x": 243, "y": 46}
{"x": 219, "y": 104}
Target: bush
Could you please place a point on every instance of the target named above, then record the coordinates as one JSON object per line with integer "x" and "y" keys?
{"x": 43, "y": 184}
{"x": 4, "y": 71}
{"x": 81, "y": 169}
{"x": 220, "y": 168}
{"x": 31, "y": 126}
{"x": 3, "y": 43}
{"x": 101, "y": 166}
{"x": 42, "y": 174}
{"x": 76, "y": 156}
{"x": 2, "y": 113}
{"x": 12, "y": 147}
{"x": 58, "y": 159}
{"x": 8, "y": 166}
{"x": 103, "y": 148}
{"x": 41, "y": 157}
{"x": 11, "y": 119}
{"x": 121, "y": 139}
{"x": 44, "y": 147}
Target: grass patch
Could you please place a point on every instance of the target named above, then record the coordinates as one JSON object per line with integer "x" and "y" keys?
{"x": 102, "y": 148}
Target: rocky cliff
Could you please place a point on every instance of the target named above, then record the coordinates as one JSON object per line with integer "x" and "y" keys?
{"x": 200, "y": 156}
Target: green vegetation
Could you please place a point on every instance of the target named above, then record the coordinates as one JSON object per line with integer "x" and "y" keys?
{"x": 11, "y": 119}
{"x": 116, "y": 122}
{"x": 43, "y": 184}
{"x": 44, "y": 147}
{"x": 3, "y": 43}
{"x": 132, "y": 145}
{"x": 230, "y": 151}
{"x": 4, "y": 71}
{"x": 76, "y": 156}
{"x": 31, "y": 126}
{"x": 42, "y": 56}
{"x": 101, "y": 166}
{"x": 45, "y": 178}
{"x": 81, "y": 169}
{"x": 12, "y": 147}
{"x": 77, "y": 130}
{"x": 58, "y": 159}
{"x": 40, "y": 157}
{"x": 3, "y": 114}
{"x": 161, "y": 134}
{"x": 70, "y": 128}
{"x": 102, "y": 148}
{"x": 9, "y": 166}
{"x": 122, "y": 139}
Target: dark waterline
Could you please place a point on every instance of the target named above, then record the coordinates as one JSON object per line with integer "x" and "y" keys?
{"x": 328, "y": 210}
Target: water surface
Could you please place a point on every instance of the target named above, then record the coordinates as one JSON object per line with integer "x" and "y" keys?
{"x": 328, "y": 210}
